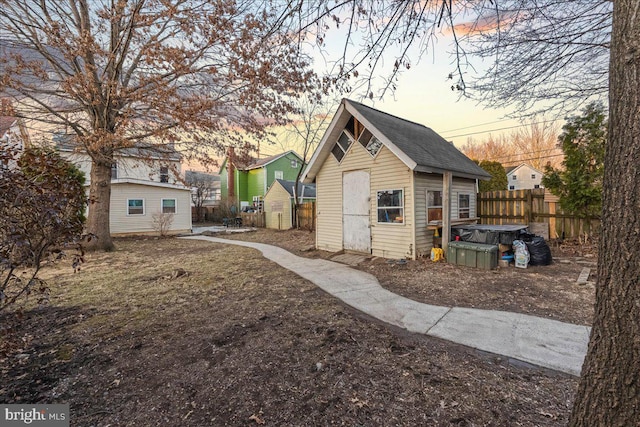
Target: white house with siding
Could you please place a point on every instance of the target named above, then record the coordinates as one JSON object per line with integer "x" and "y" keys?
{"x": 382, "y": 184}
{"x": 523, "y": 177}
{"x": 145, "y": 182}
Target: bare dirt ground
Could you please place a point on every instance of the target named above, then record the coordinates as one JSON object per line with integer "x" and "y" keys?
{"x": 546, "y": 291}
{"x": 187, "y": 333}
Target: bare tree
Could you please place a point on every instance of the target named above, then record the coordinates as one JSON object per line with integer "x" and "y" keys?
{"x": 535, "y": 144}
{"x": 202, "y": 189}
{"x": 304, "y": 133}
{"x": 118, "y": 73}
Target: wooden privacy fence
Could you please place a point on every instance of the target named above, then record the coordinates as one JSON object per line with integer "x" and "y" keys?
{"x": 307, "y": 215}
{"x": 530, "y": 206}
{"x": 253, "y": 219}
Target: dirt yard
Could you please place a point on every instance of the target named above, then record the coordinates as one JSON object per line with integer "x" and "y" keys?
{"x": 546, "y": 291}
{"x": 187, "y": 333}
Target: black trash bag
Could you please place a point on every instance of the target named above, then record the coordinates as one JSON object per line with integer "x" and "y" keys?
{"x": 539, "y": 251}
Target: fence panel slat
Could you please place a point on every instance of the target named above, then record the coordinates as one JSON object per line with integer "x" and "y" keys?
{"x": 527, "y": 206}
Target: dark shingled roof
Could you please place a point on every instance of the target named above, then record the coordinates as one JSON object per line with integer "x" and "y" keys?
{"x": 309, "y": 189}
{"x": 429, "y": 150}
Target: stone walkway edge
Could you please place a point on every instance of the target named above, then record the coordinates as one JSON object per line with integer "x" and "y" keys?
{"x": 535, "y": 340}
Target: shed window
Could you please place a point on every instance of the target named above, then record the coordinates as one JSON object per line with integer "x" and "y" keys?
{"x": 512, "y": 187}
{"x": 169, "y": 206}
{"x": 434, "y": 206}
{"x": 533, "y": 176}
{"x": 365, "y": 137}
{"x": 514, "y": 177}
{"x": 278, "y": 174}
{"x": 463, "y": 205}
{"x": 341, "y": 147}
{"x": 374, "y": 146}
{"x": 294, "y": 163}
{"x": 135, "y": 206}
{"x": 391, "y": 206}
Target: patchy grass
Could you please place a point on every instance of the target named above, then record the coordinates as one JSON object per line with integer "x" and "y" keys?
{"x": 237, "y": 340}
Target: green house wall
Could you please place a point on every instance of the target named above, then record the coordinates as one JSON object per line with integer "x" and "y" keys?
{"x": 283, "y": 164}
{"x": 256, "y": 182}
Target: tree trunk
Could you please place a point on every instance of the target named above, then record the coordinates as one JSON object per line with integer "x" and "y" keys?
{"x": 99, "y": 201}
{"x": 609, "y": 391}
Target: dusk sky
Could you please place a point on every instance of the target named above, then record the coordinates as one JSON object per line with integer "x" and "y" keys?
{"x": 424, "y": 96}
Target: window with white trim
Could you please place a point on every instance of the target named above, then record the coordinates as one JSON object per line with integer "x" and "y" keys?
{"x": 391, "y": 206}
{"x": 294, "y": 163}
{"x": 514, "y": 177}
{"x": 114, "y": 170}
{"x": 533, "y": 176}
{"x": 464, "y": 205}
{"x": 341, "y": 147}
{"x": 135, "y": 206}
{"x": 169, "y": 206}
{"x": 164, "y": 174}
{"x": 278, "y": 174}
{"x": 434, "y": 206}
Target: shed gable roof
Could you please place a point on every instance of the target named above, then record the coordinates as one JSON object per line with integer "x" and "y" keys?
{"x": 308, "y": 190}
{"x": 418, "y": 146}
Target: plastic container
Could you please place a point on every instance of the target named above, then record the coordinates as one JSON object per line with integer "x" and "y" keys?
{"x": 473, "y": 255}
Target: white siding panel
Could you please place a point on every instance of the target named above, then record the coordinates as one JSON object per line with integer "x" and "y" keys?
{"x": 121, "y": 223}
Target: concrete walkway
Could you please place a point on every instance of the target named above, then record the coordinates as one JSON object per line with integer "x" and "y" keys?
{"x": 543, "y": 342}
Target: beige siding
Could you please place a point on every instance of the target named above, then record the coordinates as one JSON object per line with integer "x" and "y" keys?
{"x": 387, "y": 172}
{"x": 432, "y": 182}
{"x": 277, "y": 208}
{"x": 121, "y": 223}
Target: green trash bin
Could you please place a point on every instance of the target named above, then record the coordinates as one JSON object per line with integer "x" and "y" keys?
{"x": 471, "y": 254}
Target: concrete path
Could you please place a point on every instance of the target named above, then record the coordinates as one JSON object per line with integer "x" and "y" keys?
{"x": 543, "y": 342}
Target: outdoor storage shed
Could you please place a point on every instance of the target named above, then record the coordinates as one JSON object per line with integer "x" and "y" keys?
{"x": 382, "y": 183}
{"x": 278, "y": 202}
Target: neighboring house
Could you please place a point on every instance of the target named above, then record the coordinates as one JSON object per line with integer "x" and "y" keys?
{"x": 523, "y": 177}
{"x": 145, "y": 181}
{"x": 205, "y": 188}
{"x": 278, "y": 202}
{"x": 381, "y": 182}
{"x": 248, "y": 183}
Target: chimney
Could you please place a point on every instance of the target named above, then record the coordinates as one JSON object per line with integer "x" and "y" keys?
{"x": 231, "y": 175}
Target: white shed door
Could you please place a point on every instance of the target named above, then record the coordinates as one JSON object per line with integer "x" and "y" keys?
{"x": 356, "y": 218}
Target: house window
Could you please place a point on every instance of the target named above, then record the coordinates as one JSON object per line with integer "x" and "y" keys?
{"x": 464, "y": 205}
{"x": 391, "y": 206}
{"x": 536, "y": 186}
{"x": 294, "y": 163}
{"x": 341, "y": 147}
{"x": 278, "y": 174}
{"x": 533, "y": 176}
{"x": 164, "y": 174}
{"x": 114, "y": 171}
{"x": 512, "y": 187}
{"x": 434, "y": 206}
{"x": 514, "y": 177}
{"x": 135, "y": 206}
{"x": 169, "y": 206}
